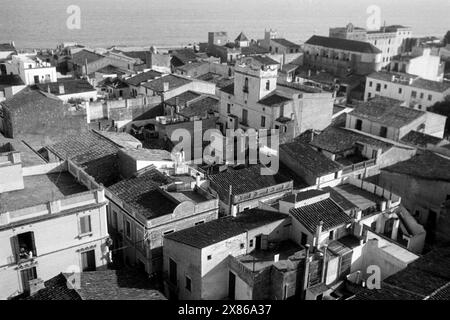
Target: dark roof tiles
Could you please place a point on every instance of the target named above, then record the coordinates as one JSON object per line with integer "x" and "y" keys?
{"x": 343, "y": 44}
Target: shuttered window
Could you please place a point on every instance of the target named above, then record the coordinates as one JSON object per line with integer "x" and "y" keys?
{"x": 85, "y": 224}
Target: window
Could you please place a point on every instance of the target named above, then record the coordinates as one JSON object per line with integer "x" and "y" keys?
{"x": 251, "y": 243}
{"x": 228, "y": 107}
{"x": 430, "y": 97}
{"x": 421, "y": 95}
{"x": 188, "y": 284}
{"x": 200, "y": 222}
{"x": 209, "y": 257}
{"x": 383, "y": 132}
{"x": 400, "y": 90}
{"x": 263, "y": 121}
{"x": 358, "y": 125}
{"x": 378, "y": 87}
{"x": 267, "y": 85}
{"x": 370, "y": 84}
{"x": 385, "y": 86}
{"x": 85, "y": 225}
{"x": 244, "y": 116}
{"x": 242, "y": 246}
{"x": 23, "y": 246}
{"x": 114, "y": 219}
{"x": 168, "y": 232}
{"x": 128, "y": 229}
{"x": 331, "y": 235}
{"x": 173, "y": 271}
{"x": 88, "y": 260}
{"x": 414, "y": 94}
{"x": 245, "y": 85}
{"x": 369, "y": 95}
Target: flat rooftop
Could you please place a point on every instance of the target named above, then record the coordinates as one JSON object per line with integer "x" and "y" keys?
{"x": 188, "y": 195}
{"x": 41, "y": 189}
{"x": 260, "y": 259}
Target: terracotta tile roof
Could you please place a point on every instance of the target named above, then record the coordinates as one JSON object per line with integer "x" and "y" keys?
{"x": 84, "y": 147}
{"x": 426, "y": 278}
{"x": 343, "y": 44}
{"x": 273, "y": 100}
{"x": 241, "y": 37}
{"x": 185, "y": 55}
{"x": 10, "y": 80}
{"x": 326, "y": 210}
{"x": 183, "y": 98}
{"x": 420, "y": 139}
{"x": 337, "y": 140}
{"x": 200, "y": 107}
{"x": 243, "y": 180}
{"x": 219, "y": 230}
{"x": 309, "y": 159}
{"x": 285, "y": 43}
{"x": 143, "y": 77}
{"x": 124, "y": 284}
{"x": 253, "y": 49}
{"x": 173, "y": 81}
{"x": 386, "y": 112}
{"x": 70, "y": 86}
{"x": 141, "y": 193}
{"x": 82, "y": 56}
{"x": 229, "y": 89}
{"x": 28, "y": 99}
{"x": 426, "y": 165}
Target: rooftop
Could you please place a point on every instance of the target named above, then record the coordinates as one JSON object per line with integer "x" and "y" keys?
{"x": 241, "y": 37}
{"x": 426, "y": 278}
{"x": 426, "y": 165}
{"x": 70, "y": 87}
{"x": 359, "y": 197}
{"x": 83, "y": 56}
{"x": 27, "y": 99}
{"x": 219, "y": 230}
{"x": 173, "y": 81}
{"x": 386, "y": 112}
{"x": 7, "y": 47}
{"x": 27, "y": 155}
{"x": 142, "y": 193}
{"x": 110, "y": 69}
{"x": 149, "y": 154}
{"x": 273, "y": 100}
{"x": 420, "y": 139}
{"x": 337, "y": 140}
{"x": 325, "y": 210}
{"x": 243, "y": 180}
{"x": 285, "y": 43}
{"x": 258, "y": 260}
{"x": 41, "y": 189}
{"x": 84, "y": 147}
{"x": 410, "y": 80}
{"x": 123, "y": 139}
{"x": 200, "y": 107}
{"x": 313, "y": 161}
{"x": 185, "y": 55}
{"x": 143, "y": 77}
{"x": 343, "y": 44}
{"x": 10, "y": 80}
{"x": 124, "y": 284}
{"x": 182, "y": 98}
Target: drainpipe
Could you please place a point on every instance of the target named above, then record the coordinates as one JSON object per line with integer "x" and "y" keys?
{"x": 324, "y": 264}
{"x": 306, "y": 271}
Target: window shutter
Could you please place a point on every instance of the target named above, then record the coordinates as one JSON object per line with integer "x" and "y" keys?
{"x": 15, "y": 247}
{"x": 33, "y": 243}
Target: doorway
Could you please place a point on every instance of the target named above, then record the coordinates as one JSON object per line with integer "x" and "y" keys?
{"x": 88, "y": 261}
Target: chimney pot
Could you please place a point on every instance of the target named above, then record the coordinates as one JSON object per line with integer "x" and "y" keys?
{"x": 165, "y": 86}
{"x": 61, "y": 89}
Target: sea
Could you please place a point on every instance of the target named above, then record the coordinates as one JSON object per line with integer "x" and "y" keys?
{"x": 104, "y": 23}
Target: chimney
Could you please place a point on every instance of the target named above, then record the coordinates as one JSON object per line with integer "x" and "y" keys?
{"x": 230, "y": 202}
{"x": 165, "y": 86}
{"x": 309, "y": 73}
{"x": 36, "y": 285}
{"x": 61, "y": 89}
{"x": 393, "y": 78}
{"x": 276, "y": 258}
{"x": 318, "y": 232}
{"x": 48, "y": 89}
{"x": 383, "y": 206}
{"x": 177, "y": 100}
{"x": 410, "y": 81}
{"x": 197, "y": 180}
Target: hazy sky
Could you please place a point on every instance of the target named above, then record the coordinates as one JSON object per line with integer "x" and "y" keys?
{"x": 40, "y": 23}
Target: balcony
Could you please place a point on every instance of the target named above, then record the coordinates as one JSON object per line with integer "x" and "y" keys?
{"x": 358, "y": 166}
